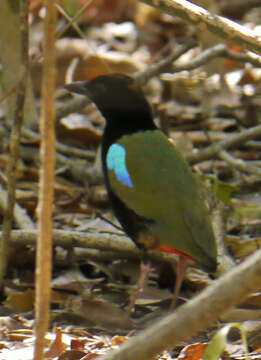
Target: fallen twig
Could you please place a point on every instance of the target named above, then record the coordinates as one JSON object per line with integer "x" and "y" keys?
{"x": 234, "y": 140}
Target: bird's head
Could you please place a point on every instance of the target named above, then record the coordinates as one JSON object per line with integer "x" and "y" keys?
{"x": 117, "y": 96}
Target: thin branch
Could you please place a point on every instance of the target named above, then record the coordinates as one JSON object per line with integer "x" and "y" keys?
{"x": 207, "y": 21}
{"x": 219, "y": 222}
{"x": 163, "y": 66}
{"x": 71, "y": 23}
{"x": 102, "y": 241}
{"x": 15, "y": 138}
{"x": 239, "y": 164}
{"x": 46, "y": 187}
{"x": 234, "y": 140}
{"x": 219, "y": 50}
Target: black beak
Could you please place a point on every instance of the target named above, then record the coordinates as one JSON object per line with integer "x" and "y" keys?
{"x": 78, "y": 87}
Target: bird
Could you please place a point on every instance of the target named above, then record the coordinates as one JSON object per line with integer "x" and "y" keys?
{"x": 151, "y": 188}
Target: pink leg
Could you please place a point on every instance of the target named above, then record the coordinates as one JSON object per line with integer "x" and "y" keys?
{"x": 182, "y": 265}
{"x": 145, "y": 269}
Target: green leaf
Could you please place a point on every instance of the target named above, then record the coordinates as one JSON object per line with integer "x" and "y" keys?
{"x": 217, "y": 345}
{"x": 221, "y": 189}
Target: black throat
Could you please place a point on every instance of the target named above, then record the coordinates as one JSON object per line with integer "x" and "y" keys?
{"x": 119, "y": 124}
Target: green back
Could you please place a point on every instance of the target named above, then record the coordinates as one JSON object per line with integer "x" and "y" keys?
{"x": 164, "y": 189}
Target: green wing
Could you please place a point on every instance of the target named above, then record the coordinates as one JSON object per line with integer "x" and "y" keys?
{"x": 164, "y": 190}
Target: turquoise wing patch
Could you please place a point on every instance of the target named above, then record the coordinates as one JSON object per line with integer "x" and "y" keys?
{"x": 116, "y": 161}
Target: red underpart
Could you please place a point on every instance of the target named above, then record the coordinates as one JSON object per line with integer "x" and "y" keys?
{"x": 170, "y": 250}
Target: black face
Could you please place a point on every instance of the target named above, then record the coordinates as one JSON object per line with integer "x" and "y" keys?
{"x": 115, "y": 91}
{"x": 117, "y": 96}
{"x": 108, "y": 91}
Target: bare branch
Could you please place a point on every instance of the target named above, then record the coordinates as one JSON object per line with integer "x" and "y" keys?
{"x": 207, "y": 21}
{"x": 234, "y": 140}
{"x": 239, "y": 164}
{"x": 219, "y": 50}
{"x": 163, "y": 66}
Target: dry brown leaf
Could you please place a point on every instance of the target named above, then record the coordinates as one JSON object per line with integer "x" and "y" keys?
{"x": 57, "y": 346}
{"x": 192, "y": 352}
{"x": 20, "y": 301}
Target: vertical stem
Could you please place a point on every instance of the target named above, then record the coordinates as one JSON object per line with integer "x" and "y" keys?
{"x": 45, "y": 205}
{"x": 15, "y": 137}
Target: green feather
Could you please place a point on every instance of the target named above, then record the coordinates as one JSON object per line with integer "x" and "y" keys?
{"x": 164, "y": 190}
